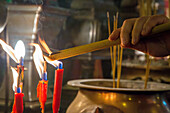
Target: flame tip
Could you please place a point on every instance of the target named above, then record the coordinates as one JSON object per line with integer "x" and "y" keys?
{"x": 19, "y": 50}
{"x": 38, "y": 59}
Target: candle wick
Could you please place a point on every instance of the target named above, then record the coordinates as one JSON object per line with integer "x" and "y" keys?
{"x": 45, "y": 66}
{"x": 21, "y": 62}
{"x": 44, "y": 76}
{"x": 18, "y": 90}
{"x": 19, "y": 78}
{"x": 60, "y": 66}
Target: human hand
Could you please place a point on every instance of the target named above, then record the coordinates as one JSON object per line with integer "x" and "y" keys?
{"x": 132, "y": 29}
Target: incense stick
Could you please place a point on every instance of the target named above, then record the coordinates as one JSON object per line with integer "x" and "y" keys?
{"x": 114, "y": 54}
{"x": 120, "y": 54}
{"x": 118, "y": 62}
{"x": 147, "y": 71}
{"x": 119, "y": 68}
{"x": 111, "y": 48}
{"x": 143, "y": 8}
{"x": 108, "y": 23}
{"x": 116, "y": 22}
{"x": 149, "y": 10}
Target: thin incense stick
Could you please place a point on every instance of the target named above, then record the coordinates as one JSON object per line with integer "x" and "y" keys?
{"x": 108, "y": 23}
{"x": 119, "y": 68}
{"x": 140, "y": 7}
{"x": 143, "y": 9}
{"x": 120, "y": 53}
{"x": 118, "y": 60}
{"x": 114, "y": 54}
{"x": 147, "y": 71}
{"x": 149, "y": 10}
{"x": 147, "y": 57}
{"x": 111, "y": 48}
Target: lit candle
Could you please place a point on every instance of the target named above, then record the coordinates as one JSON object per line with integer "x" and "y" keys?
{"x": 19, "y": 101}
{"x": 58, "y": 77}
{"x": 20, "y": 53}
{"x": 41, "y": 68}
{"x": 18, "y": 96}
{"x": 57, "y": 88}
{"x": 18, "y": 56}
{"x": 42, "y": 89}
{"x": 15, "y": 76}
{"x": 57, "y": 83}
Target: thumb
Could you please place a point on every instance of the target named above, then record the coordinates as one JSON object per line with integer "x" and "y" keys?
{"x": 115, "y": 35}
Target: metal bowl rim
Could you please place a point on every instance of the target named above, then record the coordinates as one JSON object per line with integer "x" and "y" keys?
{"x": 79, "y": 83}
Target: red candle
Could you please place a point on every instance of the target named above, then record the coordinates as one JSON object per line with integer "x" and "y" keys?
{"x": 42, "y": 92}
{"x": 14, "y": 108}
{"x": 57, "y": 89}
{"x": 19, "y": 102}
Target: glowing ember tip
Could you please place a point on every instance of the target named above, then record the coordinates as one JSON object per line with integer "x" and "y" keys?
{"x": 38, "y": 59}
{"x": 19, "y": 50}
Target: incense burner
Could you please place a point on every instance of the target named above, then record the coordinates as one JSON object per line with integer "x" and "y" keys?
{"x": 98, "y": 96}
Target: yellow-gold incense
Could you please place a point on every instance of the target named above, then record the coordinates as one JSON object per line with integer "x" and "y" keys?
{"x": 111, "y": 48}
{"x": 119, "y": 68}
{"x": 114, "y": 55}
{"x": 147, "y": 71}
{"x": 148, "y": 12}
{"x": 67, "y": 53}
{"x": 120, "y": 54}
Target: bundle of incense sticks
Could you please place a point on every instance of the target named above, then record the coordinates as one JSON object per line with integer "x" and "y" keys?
{"x": 113, "y": 53}
{"x": 71, "y": 52}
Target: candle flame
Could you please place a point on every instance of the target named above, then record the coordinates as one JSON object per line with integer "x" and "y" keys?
{"x": 46, "y": 48}
{"x": 38, "y": 59}
{"x": 9, "y": 50}
{"x": 15, "y": 77}
{"x": 19, "y": 50}
{"x": 55, "y": 63}
{"x": 14, "y": 54}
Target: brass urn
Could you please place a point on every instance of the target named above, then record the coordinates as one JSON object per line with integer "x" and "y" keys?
{"x": 98, "y": 96}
